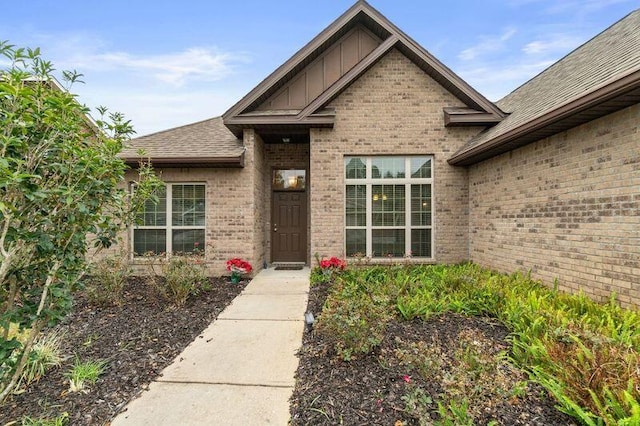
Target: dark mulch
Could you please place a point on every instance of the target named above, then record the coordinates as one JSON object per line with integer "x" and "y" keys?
{"x": 138, "y": 339}
{"x": 368, "y": 390}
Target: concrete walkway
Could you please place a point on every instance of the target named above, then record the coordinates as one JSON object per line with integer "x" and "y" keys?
{"x": 240, "y": 370}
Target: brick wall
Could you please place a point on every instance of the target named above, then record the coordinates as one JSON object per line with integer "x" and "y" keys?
{"x": 565, "y": 207}
{"x": 230, "y": 226}
{"x": 393, "y": 109}
{"x": 259, "y": 199}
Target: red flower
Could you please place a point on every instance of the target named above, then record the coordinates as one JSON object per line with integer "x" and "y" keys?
{"x": 406, "y": 378}
{"x": 334, "y": 262}
{"x": 239, "y": 265}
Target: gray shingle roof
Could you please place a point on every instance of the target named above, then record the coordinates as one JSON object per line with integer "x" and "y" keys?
{"x": 204, "y": 139}
{"x": 607, "y": 57}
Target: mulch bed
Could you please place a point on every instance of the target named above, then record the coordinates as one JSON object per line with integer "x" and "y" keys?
{"x": 369, "y": 390}
{"x": 138, "y": 339}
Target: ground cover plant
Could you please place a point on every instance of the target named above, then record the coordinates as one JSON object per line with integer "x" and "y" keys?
{"x": 463, "y": 345}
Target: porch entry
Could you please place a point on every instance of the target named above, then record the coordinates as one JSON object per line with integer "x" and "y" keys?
{"x": 289, "y": 217}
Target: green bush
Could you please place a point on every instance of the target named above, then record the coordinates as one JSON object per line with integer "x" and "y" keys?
{"x": 107, "y": 279}
{"x": 355, "y": 315}
{"x": 180, "y": 277}
{"x": 585, "y": 353}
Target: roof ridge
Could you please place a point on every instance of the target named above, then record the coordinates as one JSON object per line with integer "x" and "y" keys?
{"x": 409, "y": 47}
{"x": 559, "y": 61}
{"x": 176, "y": 128}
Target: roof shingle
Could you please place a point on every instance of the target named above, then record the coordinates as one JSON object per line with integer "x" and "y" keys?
{"x": 608, "y": 57}
{"x": 204, "y": 139}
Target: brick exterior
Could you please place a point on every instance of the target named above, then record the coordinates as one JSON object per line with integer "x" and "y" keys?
{"x": 565, "y": 207}
{"x": 393, "y": 109}
{"x": 229, "y": 218}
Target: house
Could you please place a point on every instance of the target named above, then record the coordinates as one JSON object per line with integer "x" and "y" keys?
{"x": 364, "y": 144}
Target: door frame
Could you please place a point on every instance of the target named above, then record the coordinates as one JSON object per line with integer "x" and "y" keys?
{"x": 306, "y": 218}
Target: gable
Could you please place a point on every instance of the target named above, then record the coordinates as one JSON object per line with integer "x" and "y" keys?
{"x": 294, "y": 97}
{"x": 324, "y": 71}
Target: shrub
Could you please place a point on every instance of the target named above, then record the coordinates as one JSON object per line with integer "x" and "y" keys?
{"x": 585, "y": 353}
{"x": 107, "y": 280}
{"x": 355, "y": 316}
{"x": 179, "y": 278}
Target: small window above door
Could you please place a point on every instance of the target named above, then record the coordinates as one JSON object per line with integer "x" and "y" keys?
{"x": 289, "y": 180}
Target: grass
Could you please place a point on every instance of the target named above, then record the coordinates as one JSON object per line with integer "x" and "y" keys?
{"x": 85, "y": 373}
{"x": 584, "y": 353}
{"x": 61, "y": 420}
{"x": 46, "y": 354}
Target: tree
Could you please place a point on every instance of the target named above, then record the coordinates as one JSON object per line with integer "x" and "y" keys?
{"x": 61, "y": 192}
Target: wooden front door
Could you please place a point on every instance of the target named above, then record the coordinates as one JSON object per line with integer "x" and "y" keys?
{"x": 289, "y": 227}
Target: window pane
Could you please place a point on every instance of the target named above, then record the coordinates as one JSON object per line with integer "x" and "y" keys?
{"x": 421, "y": 242}
{"x": 289, "y": 179}
{"x": 188, "y": 240}
{"x": 388, "y": 242}
{"x": 387, "y": 205}
{"x": 356, "y": 205}
{"x": 356, "y": 242}
{"x": 387, "y": 167}
{"x": 154, "y": 214}
{"x": 420, "y": 167}
{"x": 421, "y": 205}
{"x": 149, "y": 241}
{"x": 355, "y": 168}
{"x": 188, "y": 205}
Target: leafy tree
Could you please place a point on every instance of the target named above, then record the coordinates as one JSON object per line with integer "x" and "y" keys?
{"x": 61, "y": 193}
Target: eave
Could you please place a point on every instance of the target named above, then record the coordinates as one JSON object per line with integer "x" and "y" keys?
{"x": 459, "y": 117}
{"x": 188, "y": 162}
{"x": 612, "y": 96}
{"x": 292, "y": 123}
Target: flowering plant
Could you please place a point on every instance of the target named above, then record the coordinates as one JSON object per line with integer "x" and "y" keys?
{"x": 333, "y": 263}
{"x": 237, "y": 267}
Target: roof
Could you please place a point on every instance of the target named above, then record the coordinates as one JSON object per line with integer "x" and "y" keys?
{"x": 360, "y": 14}
{"x": 206, "y": 143}
{"x": 597, "y": 78}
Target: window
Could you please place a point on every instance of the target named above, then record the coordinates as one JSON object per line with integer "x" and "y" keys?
{"x": 289, "y": 180}
{"x": 388, "y": 206}
{"x": 175, "y": 224}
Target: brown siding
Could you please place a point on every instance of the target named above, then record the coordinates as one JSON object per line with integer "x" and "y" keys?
{"x": 393, "y": 109}
{"x": 324, "y": 71}
{"x": 565, "y": 207}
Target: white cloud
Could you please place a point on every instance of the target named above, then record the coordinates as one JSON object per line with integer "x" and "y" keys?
{"x": 562, "y": 43}
{"x": 497, "y": 80}
{"x": 487, "y": 44}
{"x": 155, "y": 110}
{"x": 192, "y": 64}
{"x": 577, "y": 7}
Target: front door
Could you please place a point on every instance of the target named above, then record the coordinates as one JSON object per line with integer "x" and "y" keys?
{"x": 289, "y": 226}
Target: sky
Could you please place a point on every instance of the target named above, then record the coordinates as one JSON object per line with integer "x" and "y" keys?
{"x": 168, "y": 63}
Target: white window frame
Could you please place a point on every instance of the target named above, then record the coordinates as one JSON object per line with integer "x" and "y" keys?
{"x": 407, "y": 181}
{"x": 169, "y": 228}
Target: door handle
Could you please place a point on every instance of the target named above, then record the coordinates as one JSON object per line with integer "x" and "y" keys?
{"x": 275, "y": 228}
